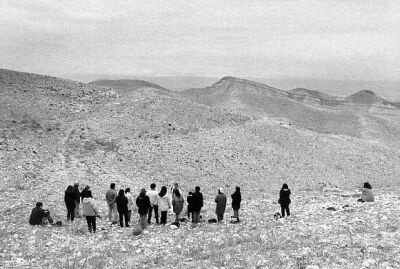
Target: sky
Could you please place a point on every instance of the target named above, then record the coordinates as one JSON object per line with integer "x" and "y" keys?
{"x": 326, "y": 39}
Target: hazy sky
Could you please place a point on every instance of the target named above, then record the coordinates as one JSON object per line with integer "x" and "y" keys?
{"x": 338, "y": 39}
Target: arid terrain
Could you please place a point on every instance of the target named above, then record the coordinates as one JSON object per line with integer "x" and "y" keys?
{"x": 234, "y": 132}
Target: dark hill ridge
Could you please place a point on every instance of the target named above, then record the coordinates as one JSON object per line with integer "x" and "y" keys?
{"x": 310, "y": 96}
{"x": 126, "y": 84}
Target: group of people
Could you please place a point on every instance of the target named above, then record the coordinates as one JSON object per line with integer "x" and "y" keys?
{"x": 122, "y": 204}
{"x": 159, "y": 203}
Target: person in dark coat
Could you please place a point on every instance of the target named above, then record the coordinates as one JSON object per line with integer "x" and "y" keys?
{"x": 236, "y": 200}
{"x": 197, "y": 204}
{"x": 220, "y": 201}
{"x": 143, "y": 204}
{"x": 122, "y": 207}
{"x": 284, "y": 200}
{"x": 77, "y": 199}
{"x": 69, "y": 199}
{"x": 189, "y": 201}
{"x": 39, "y": 215}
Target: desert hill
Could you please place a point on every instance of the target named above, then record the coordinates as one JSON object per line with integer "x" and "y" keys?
{"x": 54, "y": 132}
{"x": 362, "y": 115}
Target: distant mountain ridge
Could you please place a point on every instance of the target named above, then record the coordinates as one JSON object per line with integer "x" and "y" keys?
{"x": 357, "y": 115}
{"x": 126, "y": 84}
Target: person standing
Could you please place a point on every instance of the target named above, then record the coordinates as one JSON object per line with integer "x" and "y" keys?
{"x": 90, "y": 211}
{"x": 77, "y": 199}
{"x": 197, "y": 204}
{"x": 236, "y": 200}
{"x": 152, "y": 194}
{"x": 284, "y": 200}
{"x": 128, "y": 195}
{"x": 190, "y": 205}
{"x": 69, "y": 199}
{"x": 111, "y": 195}
{"x": 220, "y": 201}
{"x": 164, "y": 204}
{"x": 143, "y": 204}
{"x": 83, "y": 192}
{"x": 177, "y": 203}
{"x": 122, "y": 207}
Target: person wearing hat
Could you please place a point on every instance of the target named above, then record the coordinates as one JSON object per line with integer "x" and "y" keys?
{"x": 220, "y": 201}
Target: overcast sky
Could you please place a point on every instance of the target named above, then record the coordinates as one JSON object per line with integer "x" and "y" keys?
{"x": 338, "y": 39}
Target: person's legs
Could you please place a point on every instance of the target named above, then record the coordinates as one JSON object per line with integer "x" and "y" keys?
{"x": 196, "y": 216}
{"x": 129, "y": 215}
{"x": 48, "y": 217}
{"x": 287, "y": 210}
{"x": 110, "y": 212}
{"x": 156, "y": 212}
{"x": 68, "y": 213}
{"x": 143, "y": 221}
{"x": 220, "y": 217}
{"x": 94, "y": 224}
{"x": 164, "y": 217}
{"x": 126, "y": 219}
{"x": 149, "y": 214}
{"x": 283, "y": 211}
{"x": 115, "y": 213}
{"x": 177, "y": 217}
{"x": 77, "y": 209}
{"x": 121, "y": 218}
{"x": 236, "y": 214}
{"x": 89, "y": 223}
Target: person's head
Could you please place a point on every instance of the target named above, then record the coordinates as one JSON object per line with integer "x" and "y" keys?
{"x": 87, "y": 187}
{"x": 39, "y": 204}
{"x": 220, "y": 190}
{"x": 177, "y": 193}
{"x": 152, "y": 186}
{"x": 70, "y": 188}
{"x": 367, "y": 185}
{"x": 127, "y": 190}
{"x": 163, "y": 191}
{"x": 112, "y": 186}
{"x": 176, "y": 186}
{"x": 142, "y": 192}
{"x": 190, "y": 193}
{"x": 237, "y": 189}
{"x": 76, "y": 184}
{"x": 197, "y": 188}
{"x": 88, "y": 194}
{"x": 285, "y": 186}
{"x": 121, "y": 192}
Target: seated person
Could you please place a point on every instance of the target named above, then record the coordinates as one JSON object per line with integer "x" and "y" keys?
{"x": 367, "y": 195}
{"x": 39, "y": 215}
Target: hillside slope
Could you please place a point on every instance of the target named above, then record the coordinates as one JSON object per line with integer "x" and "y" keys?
{"x": 362, "y": 115}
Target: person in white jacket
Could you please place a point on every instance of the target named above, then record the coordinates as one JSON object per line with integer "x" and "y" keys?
{"x": 128, "y": 195}
{"x": 164, "y": 204}
{"x": 152, "y": 194}
{"x": 90, "y": 211}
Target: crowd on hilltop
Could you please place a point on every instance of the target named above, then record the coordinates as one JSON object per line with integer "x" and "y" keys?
{"x": 122, "y": 203}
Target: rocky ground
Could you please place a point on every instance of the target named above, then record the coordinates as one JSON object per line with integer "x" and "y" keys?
{"x": 327, "y": 229}
{"x": 54, "y": 132}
